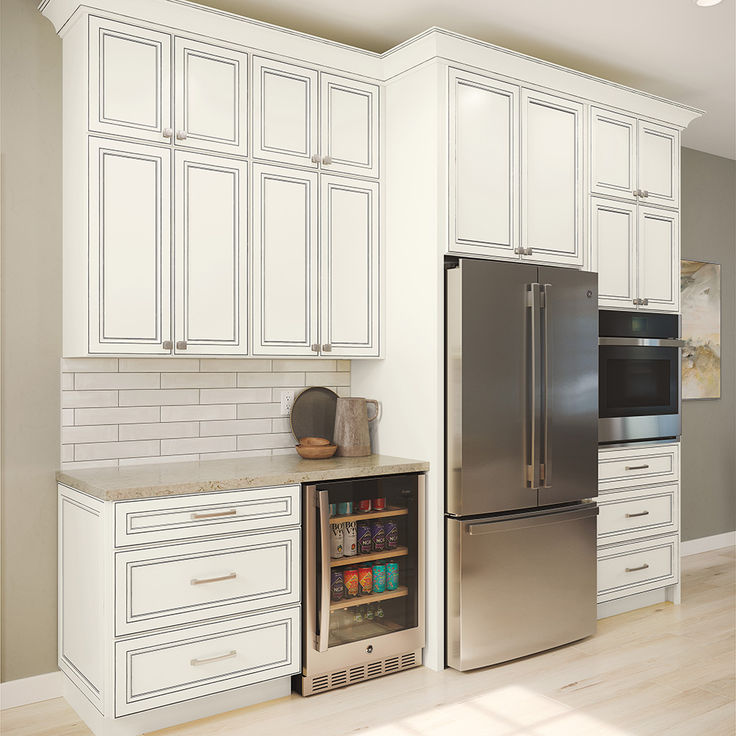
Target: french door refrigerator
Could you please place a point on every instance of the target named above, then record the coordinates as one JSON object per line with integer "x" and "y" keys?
{"x": 522, "y": 454}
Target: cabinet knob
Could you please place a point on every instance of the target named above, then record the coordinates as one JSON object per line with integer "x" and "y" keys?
{"x": 635, "y": 301}
{"x": 645, "y": 193}
{"x": 327, "y": 348}
{"x": 167, "y": 132}
{"x": 636, "y": 192}
{"x": 644, "y": 302}
{"x": 315, "y": 158}
{"x": 181, "y": 135}
{"x": 181, "y": 344}
{"x": 315, "y": 348}
{"x": 327, "y": 160}
{"x": 167, "y": 345}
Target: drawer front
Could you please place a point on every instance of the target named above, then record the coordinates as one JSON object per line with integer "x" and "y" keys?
{"x": 179, "y": 584}
{"x": 635, "y": 467}
{"x": 637, "y": 567}
{"x": 161, "y": 669}
{"x": 638, "y": 513}
{"x": 205, "y": 514}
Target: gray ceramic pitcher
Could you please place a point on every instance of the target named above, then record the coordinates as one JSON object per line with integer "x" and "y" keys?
{"x": 352, "y": 436}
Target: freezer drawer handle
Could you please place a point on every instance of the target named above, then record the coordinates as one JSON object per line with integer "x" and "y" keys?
{"x": 640, "y": 513}
{"x": 532, "y": 519}
{"x": 637, "y": 467}
{"x": 634, "y": 569}
{"x": 203, "y": 581}
{"x": 214, "y": 514}
{"x": 209, "y": 660}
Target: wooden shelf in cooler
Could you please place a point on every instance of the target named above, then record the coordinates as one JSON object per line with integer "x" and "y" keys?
{"x": 362, "y": 600}
{"x": 368, "y": 515}
{"x": 357, "y": 559}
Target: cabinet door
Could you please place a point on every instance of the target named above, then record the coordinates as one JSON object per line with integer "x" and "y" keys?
{"x": 659, "y": 259}
{"x": 284, "y": 282}
{"x": 659, "y": 164}
{"x": 612, "y": 153}
{"x": 211, "y": 95}
{"x": 349, "y": 265}
{"x": 210, "y": 255}
{"x": 129, "y": 80}
{"x": 129, "y": 247}
{"x": 483, "y": 164}
{"x": 349, "y": 125}
{"x": 284, "y": 112}
{"x": 613, "y": 240}
{"x": 552, "y": 179}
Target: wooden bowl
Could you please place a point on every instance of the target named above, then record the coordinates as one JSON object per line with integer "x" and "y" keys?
{"x": 313, "y": 441}
{"x": 316, "y": 452}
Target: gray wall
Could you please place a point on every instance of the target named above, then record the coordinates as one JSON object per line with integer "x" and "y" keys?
{"x": 709, "y": 426}
{"x": 30, "y": 138}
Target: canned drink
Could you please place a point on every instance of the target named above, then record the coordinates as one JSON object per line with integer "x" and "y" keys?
{"x": 379, "y": 504}
{"x": 345, "y": 507}
{"x": 364, "y": 505}
{"x": 350, "y": 581}
{"x": 365, "y": 541}
{"x": 392, "y": 534}
{"x": 333, "y": 509}
{"x": 337, "y": 585}
{"x": 378, "y": 536}
{"x": 337, "y": 541}
{"x": 392, "y": 575}
{"x": 379, "y": 578}
{"x": 350, "y": 539}
{"x": 365, "y": 580}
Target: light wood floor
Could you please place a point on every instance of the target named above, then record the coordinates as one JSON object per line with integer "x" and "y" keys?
{"x": 661, "y": 670}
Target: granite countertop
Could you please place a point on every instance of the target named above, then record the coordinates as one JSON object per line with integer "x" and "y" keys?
{"x": 168, "y": 479}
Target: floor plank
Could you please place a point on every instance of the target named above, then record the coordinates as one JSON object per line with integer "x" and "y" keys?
{"x": 663, "y": 669}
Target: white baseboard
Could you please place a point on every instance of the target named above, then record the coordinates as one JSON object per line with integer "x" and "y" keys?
{"x": 706, "y": 544}
{"x": 31, "y": 690}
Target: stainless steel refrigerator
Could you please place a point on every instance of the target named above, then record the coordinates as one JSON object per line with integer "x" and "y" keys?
{"x": 522, "y": 459}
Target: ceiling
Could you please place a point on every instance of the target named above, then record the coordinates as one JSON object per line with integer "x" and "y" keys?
{"x": 670, "y": 48}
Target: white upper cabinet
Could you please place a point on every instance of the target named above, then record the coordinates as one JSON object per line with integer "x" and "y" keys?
{"x": 129, "y": 80}
{"x": 613, "y": 153}
{"x": 349, "y": 267}
{"x": 129, "y": 247}
{"x": 659, "y": 164}
{"x": 659, "y": 260}
{"x": 210, "y": 97}
{"x": 285, "y": 112}
{"x": 349, "y": 125}
{"x": 483, "y": 160}
{"x": 551, "y": 179}
{"x": 285, "y": 261}
{"x": 210, "y": 255}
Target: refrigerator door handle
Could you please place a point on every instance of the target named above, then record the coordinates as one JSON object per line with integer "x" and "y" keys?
{"x": 323, "y": 504}
{"x": 546, "y": 463}
{"x": 533, "y": 469}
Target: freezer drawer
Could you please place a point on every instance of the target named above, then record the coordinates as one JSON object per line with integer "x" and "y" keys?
{"x": 519, "y": 584}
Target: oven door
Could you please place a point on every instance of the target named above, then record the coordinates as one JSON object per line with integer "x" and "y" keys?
{"x": 639, "y": 389}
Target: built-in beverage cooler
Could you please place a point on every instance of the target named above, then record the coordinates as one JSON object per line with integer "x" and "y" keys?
{"x": 363, "y": 580}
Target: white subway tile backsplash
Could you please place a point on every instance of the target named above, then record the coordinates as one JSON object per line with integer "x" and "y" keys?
{"x": 146, "y": 410}
{"x": 284, "y": 451}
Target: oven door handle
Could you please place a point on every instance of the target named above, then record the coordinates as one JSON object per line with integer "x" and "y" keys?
{"x": 643, "y": 342}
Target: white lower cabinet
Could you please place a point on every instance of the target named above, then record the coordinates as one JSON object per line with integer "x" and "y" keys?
{"x": 154, "y": 622}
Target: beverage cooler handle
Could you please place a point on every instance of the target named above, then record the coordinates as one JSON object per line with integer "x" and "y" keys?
{"x": 533, "y": 475}
{"x": 546, "y": 473}
{"x": 324, "y": 606}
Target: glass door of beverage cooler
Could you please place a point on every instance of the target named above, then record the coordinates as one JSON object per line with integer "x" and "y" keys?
{"x": 365, "y": 561}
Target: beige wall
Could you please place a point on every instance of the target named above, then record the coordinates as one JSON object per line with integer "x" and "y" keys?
{"x": 709, "y": 427}
{"x": 30, "y": 138}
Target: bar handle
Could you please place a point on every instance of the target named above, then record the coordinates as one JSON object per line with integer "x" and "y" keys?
{"x": 637, "y": 467}
{"x": 214, "y": 514}
{"x": 323, "y": 504}
{"x": 534, "y": 471}
{"x": 209, "y": 660}
{"x": 546, "y": 462}
{"x": 634, "y": 569}
{"x": 639, "y": 513}
{"x": 204, "y": 581}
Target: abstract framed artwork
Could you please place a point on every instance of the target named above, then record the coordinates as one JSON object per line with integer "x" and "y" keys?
{"x": 700, "y": 291}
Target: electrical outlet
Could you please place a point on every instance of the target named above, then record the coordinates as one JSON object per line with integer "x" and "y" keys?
{"x": 287, "y": 401}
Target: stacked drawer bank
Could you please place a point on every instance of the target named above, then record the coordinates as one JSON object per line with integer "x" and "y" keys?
{"x": 180, "y": 585}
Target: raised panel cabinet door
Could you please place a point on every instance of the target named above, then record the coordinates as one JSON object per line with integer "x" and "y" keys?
{"x": 551, "y": 179}
{"x": 613, "y": 240}
{"x": 659, "y": 164}
{"x": 129, "y": 247}
{"x": 285, "y": 252}
{"x": 210, "y": 255}
{"x": 483, "y": 150}
{"x": 210, "y": 98}
{"x": 612, "y": 153}
{"x": 659, "y": 259}
{"x": 285, "y": 112}
{"x": 129, "y": 80}
{"x": 349, "y": 265}
{"x": 349, "y": 125}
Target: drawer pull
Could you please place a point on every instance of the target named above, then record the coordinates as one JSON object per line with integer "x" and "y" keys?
{"x": 634, "y": 569}
{"x": 202, "y": 581}
{"x": 639, "y": 513}
{"x": 637, "y": 467}
{"x": 208, "y": 660}
{"x": 215, "y": 514}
